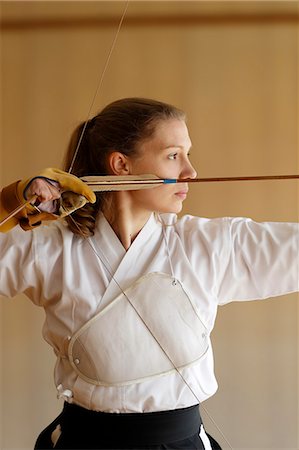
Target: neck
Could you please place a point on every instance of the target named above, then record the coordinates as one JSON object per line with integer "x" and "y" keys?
{"x": 125, "y": 220}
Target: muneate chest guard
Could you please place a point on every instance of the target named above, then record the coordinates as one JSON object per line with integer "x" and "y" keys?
{"x": 151, "y": 329}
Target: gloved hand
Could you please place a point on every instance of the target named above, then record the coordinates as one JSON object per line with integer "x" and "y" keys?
{"x": 67, "y": 182}
{"x": 66, "y": 190}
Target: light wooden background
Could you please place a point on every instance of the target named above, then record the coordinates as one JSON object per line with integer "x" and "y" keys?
{"x": 233, "y": 66}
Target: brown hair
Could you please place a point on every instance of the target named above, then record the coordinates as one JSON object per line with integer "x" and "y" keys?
{"x": 120, "y": 126}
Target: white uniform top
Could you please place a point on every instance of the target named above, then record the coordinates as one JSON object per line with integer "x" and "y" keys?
{"x": 216, "y": 260}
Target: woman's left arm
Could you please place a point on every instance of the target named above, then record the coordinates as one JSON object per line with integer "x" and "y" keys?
{"x": 262, "y": 262}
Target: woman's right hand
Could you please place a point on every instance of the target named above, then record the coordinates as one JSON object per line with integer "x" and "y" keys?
{"x": 57, "y": 194}
{"x": 51, "y": 183}
{"x": 46, "y": 192}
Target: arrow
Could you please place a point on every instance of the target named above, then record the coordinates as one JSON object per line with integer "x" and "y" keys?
{"x": 135, "y": 182}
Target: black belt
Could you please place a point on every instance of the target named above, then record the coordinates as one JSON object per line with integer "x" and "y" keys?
{"x": 132, "y": 428}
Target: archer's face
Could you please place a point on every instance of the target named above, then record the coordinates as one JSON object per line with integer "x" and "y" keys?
{"x": 166, "y": 155}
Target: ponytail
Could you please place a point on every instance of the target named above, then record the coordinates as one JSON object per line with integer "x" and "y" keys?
{"x": 120, "y": 126}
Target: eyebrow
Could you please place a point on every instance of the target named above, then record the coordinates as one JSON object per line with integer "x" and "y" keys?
{"x": 177, "y": 146}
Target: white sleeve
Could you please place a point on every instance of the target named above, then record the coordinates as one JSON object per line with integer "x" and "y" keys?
{"x": 239, "y": 259}
{"x": 262, "y": 262}
{"x": 18, "y": 265}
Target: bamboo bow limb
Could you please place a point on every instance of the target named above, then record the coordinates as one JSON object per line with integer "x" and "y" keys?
{"x": 17, "y": 210}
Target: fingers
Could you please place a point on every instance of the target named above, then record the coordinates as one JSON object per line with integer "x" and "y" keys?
{"x": 59, "y": 179}
{"x": 70, "y": 202}
{"x": 44, "y": 190}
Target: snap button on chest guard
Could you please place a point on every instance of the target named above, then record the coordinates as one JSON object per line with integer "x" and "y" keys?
{"x": 149, "y": 330}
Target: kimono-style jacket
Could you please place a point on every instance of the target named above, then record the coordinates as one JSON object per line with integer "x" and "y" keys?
{"x": 92, "y": 281}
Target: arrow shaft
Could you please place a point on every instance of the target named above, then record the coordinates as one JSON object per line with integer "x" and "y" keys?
{"x": 133, "y": 182}
{"x": 249, "y": 178}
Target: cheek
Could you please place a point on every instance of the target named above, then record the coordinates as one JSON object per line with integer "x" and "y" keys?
{"x": 144, "y": 164}
{"x": 162, "y": 193}
{"x": 165, "y": 200}
{"x": 155, "y": 196}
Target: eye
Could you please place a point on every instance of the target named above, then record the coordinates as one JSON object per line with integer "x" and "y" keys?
{"x": 172, "y": 156}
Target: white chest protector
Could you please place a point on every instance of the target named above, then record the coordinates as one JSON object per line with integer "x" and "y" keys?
{"x": 149, "y": 330}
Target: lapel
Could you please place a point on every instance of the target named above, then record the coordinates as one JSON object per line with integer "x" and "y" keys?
{"x": 123, "y": 267}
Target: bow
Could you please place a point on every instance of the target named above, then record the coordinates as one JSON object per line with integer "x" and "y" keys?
{"x": 143, "y": 183}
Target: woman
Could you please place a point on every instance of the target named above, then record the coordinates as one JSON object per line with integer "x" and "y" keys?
{"x": 131, "y": 292}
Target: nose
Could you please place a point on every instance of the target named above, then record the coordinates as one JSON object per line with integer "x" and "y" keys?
{"x": 188, "y": 171}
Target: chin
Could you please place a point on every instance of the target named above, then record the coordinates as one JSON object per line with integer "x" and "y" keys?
{"x": 177, "y": 208}
{"x": 173, "y": 210}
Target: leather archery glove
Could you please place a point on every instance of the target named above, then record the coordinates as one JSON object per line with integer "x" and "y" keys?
{"x": 74, "y": 194}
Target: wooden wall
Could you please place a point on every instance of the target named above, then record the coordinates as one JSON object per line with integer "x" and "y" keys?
{"x": 233, "y": 66}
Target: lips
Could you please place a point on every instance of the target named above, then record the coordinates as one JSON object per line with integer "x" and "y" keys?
{"x": 182, "y": 194}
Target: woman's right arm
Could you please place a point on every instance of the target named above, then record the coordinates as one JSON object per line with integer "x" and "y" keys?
{"x": 18, "y": 268}
{"x": 51, "y": 189}
{"x": 46, "y": 189}
{"x": 12, "y": 197}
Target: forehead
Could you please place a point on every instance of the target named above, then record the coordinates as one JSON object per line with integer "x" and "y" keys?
{"x": 171, "y": 133}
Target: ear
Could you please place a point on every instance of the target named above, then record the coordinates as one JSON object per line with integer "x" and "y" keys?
{"x": 118, "y": 163}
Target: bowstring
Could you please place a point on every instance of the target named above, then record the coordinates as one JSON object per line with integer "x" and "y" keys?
{"x": 100, "y": 83}
{"x": 216, "y": 426}
{"x": 109, "y": 271}
{"x": 98, "y": 88}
